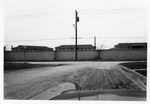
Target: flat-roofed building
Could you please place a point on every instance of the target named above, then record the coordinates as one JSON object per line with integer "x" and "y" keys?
{"x": 31, "y": 48}
{"x": 130, "y": 46}
{"x": 72, "y": 47}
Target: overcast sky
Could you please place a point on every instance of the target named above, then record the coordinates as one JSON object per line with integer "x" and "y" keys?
{"x": 54, "y": 19}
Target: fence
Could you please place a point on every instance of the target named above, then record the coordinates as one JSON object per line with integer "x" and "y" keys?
{"x": 106, "y": 55}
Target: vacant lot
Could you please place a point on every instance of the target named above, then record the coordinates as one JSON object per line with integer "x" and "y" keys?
{"x": 27, "y": 83}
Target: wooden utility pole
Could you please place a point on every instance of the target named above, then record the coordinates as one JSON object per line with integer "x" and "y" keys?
{"x": 95, "y": 41}
{"x": 76, "y": 20}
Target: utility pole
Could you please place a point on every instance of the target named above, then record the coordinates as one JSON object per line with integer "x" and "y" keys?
{"x": 76, "y": 20}
{"x": 95, "y": 41}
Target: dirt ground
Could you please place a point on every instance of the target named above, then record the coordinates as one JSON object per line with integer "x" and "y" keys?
{"x": 27, "y": 83}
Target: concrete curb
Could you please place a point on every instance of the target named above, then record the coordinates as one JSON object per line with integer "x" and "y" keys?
{"x": 135, "y": 77}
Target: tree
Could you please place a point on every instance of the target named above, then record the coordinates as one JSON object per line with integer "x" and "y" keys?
{"x": 99, "y": 50}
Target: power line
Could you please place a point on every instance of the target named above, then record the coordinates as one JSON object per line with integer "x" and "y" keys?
{"x": 72, "y": 38}
{"x": 110, "y": 37}
{"x": 115, "y": 10}
{"x": 121, "y": 37}
{"x": 36, "y": 40}
{"x": 81, "y": 12}
{"x": 40, "y": 14}
{"x": 112, "y": 10}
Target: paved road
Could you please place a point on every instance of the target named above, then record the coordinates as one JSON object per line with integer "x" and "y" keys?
{"x": 27, "y": 83}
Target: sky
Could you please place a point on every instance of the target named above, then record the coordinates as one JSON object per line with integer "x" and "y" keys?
{"x": 50, "y": 22}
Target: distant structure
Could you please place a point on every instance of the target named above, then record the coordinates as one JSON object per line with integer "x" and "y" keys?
{"x": 130, "y": 46}
{"x": 4, "y": 48}
{"x": 31, "y": 48}
{"x": 72, "y": 47}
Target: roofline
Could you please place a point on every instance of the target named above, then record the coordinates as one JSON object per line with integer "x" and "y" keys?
{"x": 31, "y": 46}
{"x": 134, "y": 43}
{"x": 77, "y": 45}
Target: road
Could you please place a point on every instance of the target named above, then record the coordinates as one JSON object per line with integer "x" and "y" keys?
{"x": 27, "y": 83}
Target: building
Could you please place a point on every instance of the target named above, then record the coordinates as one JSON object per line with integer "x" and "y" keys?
{"x": 31, "y": 48}
{"x": 72, "y": 47}
{"x": 130, "y": 46}
{"x": 4, "y": 49}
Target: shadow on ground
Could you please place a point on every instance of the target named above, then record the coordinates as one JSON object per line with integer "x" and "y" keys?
{"x": 16, "y": 66}
{"x": 140, "y": 67}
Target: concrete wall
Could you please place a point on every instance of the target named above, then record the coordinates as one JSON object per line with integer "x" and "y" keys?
{"x": 13, "y": 56}
{"x": 123, "y": 55}
{"x": 87, "y": 55}
{"x": 65, "y": 55}
{"x": 30, "y": 56}
{"x": 82, "y": 55}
